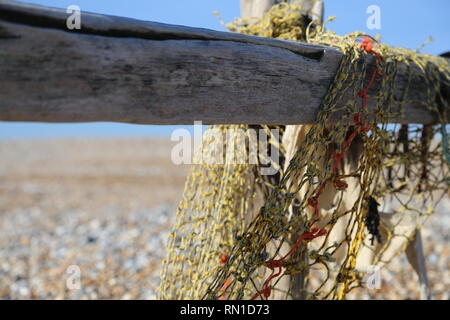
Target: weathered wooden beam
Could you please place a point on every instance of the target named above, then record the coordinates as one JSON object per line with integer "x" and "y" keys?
{"x": 125, "y": 70}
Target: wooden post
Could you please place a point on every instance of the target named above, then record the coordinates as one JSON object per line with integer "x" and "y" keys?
{"x": 296, "y": 284}
{"x": 125, "y": 70}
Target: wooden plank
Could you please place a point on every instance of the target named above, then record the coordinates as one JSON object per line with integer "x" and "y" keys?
{"x": 124, "y": 70}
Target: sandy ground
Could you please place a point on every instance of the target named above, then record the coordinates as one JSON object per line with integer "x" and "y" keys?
{"x": 88, "y": 219}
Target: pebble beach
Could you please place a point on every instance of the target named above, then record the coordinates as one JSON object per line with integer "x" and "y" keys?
{"x": 89, "y": 218}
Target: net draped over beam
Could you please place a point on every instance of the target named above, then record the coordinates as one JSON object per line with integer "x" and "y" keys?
{"x": 349, "y": 195}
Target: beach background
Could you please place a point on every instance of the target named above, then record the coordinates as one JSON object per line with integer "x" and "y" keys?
{"x": 100, "y": 198}
{"x": 106, "y": 205}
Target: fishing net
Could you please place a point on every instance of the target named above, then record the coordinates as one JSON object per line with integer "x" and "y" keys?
{"x": 345, "y": 195}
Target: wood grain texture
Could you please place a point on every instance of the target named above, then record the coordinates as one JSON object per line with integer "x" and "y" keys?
{"x": 124, "y": 70}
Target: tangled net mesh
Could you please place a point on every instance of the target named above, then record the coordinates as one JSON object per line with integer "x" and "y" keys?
{"x": 347, "y": 195}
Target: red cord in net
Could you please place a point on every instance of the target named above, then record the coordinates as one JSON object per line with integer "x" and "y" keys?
{"x": 360, "y": 127}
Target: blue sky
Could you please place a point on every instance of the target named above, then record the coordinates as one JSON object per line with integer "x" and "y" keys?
{"x": 406, "y": 23}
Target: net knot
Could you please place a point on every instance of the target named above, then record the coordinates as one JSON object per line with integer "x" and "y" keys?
{"x": 367, "y": 44}
{"x": 265, "y": 292}
{"x": 340, "y": 185}
{"x": 314, "y": 233}
{"x": 313, "y": 201}
{"x": 223, "y": 258}
{"x": 272, "y": 264}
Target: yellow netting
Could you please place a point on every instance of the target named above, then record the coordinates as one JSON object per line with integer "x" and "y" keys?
{"x": 349, "y": 194}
